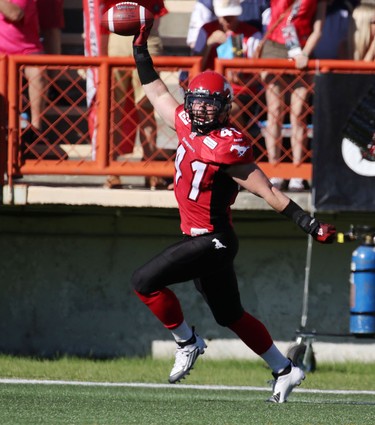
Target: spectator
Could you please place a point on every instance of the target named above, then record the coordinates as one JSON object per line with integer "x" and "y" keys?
{"x": 252, "y": 11}
{"x": 228, "y": 37}
{"x": 227, "y": 27}
{"x": 51, "y": 22}
{"x": 203, "y": 12}
{"x": 293, "y": 32}
{"x": 19, "y": 34}
{"x": 122, "y": 46}
{"x": 362, "y": 39}
{"x": 333, "y": 43}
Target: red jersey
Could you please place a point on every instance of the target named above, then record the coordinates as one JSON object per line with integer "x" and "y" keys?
{"x": 203, "y": 190}
{"x": 302, "y": 17}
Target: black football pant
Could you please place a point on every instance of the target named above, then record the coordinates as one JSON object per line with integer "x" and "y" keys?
{"x": 206, "y": 259}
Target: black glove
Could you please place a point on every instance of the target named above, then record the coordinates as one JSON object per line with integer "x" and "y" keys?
{"x": 321, "y": 232}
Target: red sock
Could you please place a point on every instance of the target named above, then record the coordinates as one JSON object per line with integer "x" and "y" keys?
{"x": 253, "y": 333}
{"x": 165, "y": 306}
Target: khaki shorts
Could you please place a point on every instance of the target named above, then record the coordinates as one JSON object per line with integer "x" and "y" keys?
{"x": 119, "y": 45}
{"x": 273, "y": 50}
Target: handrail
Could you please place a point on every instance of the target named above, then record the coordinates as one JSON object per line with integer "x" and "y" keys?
{"x": 317, "y": 65}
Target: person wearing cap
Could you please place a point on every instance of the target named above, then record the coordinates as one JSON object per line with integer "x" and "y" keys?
{"x": 203, "y": 12}
{"x": 227, "y": 34}
{"x": 215, "y": 33}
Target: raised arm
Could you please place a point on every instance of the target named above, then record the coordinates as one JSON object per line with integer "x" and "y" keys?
{"x": 11, "y": 11}
{"x": 155, "y": 89}
{"x": 254, "y": 180}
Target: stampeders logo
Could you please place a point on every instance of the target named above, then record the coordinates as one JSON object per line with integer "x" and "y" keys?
{"x": 218, "y": 244}
{"x": 241, "y": 150}
{"x": 358, "y": 144}
{"x": 358, "y": 159}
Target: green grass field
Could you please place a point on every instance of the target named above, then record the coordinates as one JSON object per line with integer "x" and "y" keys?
{"x": 217, "y": 393}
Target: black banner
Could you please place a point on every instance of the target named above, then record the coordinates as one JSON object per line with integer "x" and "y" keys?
{"x": 344, "y": 143}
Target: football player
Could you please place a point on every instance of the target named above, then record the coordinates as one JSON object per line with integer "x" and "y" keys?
{"x": 212, "y": 160}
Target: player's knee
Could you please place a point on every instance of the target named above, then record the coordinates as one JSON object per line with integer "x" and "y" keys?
{"x": 221, "y": 322}
{"x": 138, "y": 283}
{"x": 226, "y": 318}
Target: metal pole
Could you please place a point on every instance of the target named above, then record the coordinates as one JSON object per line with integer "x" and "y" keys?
{"x": 305, "y": 299}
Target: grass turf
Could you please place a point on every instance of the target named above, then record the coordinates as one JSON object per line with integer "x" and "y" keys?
{"x": 76, "y": 405}
{"x": 60, "y": 404}
{"x": 348, "y": 376}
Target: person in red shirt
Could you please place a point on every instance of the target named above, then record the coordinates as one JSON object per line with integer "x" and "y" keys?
{"x": 51, "y": 22}
{"x": 19, "y": 35}
{"x": 213, "y": 159}
{"x": 294, "y": 30}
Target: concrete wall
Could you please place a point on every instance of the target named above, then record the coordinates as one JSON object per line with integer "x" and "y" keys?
{"x": 65, "y": 271}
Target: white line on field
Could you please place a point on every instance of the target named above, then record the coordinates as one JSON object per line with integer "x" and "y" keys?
{"x": 182, "y": 386}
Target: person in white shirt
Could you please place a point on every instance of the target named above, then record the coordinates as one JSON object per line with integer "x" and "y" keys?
{"x": 203, "y": 12}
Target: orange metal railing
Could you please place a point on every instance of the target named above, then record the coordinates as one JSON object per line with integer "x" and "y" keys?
{"x": 251, "y": 71}
{"x": 65, "y": 145}
{"x": 72, "y": 142}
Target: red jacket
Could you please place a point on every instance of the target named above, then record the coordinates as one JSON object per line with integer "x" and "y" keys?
{"x": 302, "y": 20}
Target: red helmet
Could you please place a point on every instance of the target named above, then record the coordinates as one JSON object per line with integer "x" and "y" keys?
{"x": 214, "y": 94}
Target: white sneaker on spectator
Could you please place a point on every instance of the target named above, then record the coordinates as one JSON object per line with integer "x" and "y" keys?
{"x": 296, "y": 185}
{"x": 277, "y": 182}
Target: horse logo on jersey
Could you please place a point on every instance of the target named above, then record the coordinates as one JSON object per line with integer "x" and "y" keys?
{"x": 218, "y": 244}
{"x": 241, "y": 150}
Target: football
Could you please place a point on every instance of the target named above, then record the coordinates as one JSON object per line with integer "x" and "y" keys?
{"x": 126, "y": 18}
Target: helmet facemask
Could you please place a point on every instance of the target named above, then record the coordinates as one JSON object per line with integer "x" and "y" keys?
{"x": 206, "y": 111}
{"x": 208, "y": 101}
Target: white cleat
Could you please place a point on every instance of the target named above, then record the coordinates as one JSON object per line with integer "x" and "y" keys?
{"x": 285, "y": 382}
{"x": 186, "y": 355}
